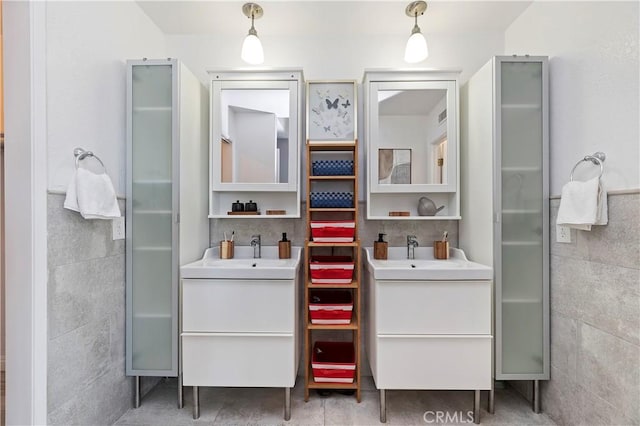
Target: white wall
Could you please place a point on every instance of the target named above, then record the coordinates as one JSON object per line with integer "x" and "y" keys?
{"x": 88, "y": 44}
{"x": 593, "y": 50}
{"x": 332, "y": 56}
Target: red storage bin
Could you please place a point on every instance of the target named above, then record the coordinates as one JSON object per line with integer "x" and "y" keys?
{"x": 330, "y": 306}
{"x": 331, "y": 269}
{"x": 333, "y": 362}
{"x": 333, "y": 231}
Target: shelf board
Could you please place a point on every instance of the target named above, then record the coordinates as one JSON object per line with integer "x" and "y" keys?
{"x": 152, "y": 109}
{"x": 152, "y": 248}
{"x": 152, "y": 182}
{"x": 152, "y": 316}
{"x": 314, "y": 385}
{"x": 255, "y": 216}
{"x": 521, "y": 169}
{"x": 521, "y": 211}
{"x": 414, "y": 217}
{"x": 523, "y": 300}
{"x": 521, "y": 106}
{"x": 351, "y": 244}
{"x": 521, "y": 243}
{"x": 329, "y": 209}
{"x": 333, "y": 177}
{"x": 354, "y": 284}
{"x": 161, "y": 212}
{"x": 331, "y": 146}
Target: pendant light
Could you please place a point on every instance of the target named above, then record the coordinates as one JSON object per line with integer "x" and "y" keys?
{"x": 252, "y": 52}
{"x": 416, "y": 50}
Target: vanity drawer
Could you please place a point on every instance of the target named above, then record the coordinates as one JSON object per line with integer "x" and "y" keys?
{"x": 433, "y": 362}
{"x": 238, "y": 305}
{"x": 238, "y": 359}
{"x": 433, "y": 307}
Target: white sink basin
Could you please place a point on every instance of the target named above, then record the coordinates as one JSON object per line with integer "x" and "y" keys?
{"x": 425, "y": 267}
{"x": 243, "y": 265}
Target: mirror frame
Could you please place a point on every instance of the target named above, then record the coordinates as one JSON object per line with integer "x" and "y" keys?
{"x": 246, "y": 81}
{"x": 414, "y": 83}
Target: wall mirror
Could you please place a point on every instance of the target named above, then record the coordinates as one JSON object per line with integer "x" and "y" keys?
{"x": 411, "y": 142}
{"x": 254, "y": 135}
{"x": 413, "y": 136}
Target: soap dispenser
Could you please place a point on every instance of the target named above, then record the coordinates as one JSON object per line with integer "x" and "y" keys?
{"x": 380, "y": 248}
{"x": 284, "y": 247}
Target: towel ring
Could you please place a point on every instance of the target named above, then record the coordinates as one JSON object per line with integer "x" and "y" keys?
{"x": 597, "y": 159}
{"x": 81, "y": 154}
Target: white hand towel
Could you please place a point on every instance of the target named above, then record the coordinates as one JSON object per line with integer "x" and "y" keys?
{"x": 71, "y": 200}
{"x": 94, "y": 195}
{"x": 583, "y": 204}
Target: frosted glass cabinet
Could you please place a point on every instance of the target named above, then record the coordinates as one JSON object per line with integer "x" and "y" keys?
{"x": 167, "y": 151}
{"x": 505, "y": 209}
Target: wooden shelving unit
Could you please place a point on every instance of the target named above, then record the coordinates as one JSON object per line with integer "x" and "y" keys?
{"x": 351, "y": 248}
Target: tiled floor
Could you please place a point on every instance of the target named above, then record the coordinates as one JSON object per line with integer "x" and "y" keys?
{"x": 238, "y": 406}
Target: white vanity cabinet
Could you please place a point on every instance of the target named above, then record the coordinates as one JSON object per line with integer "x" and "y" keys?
{"x": 238, "y": 332}
{"x": 429, "y": 334}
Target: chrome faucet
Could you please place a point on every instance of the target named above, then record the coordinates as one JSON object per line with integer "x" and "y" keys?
{"x": 412, "y": 243}
{"x": 256, "y": 244}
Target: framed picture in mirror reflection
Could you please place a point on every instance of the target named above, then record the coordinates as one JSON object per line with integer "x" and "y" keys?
{"x": 394, "y": 166}
{"x": 331, "y": 110}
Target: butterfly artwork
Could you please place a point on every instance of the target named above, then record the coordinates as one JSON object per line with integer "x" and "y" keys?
{"x": 333, "y": 104}
{"x": 330, "y": 116}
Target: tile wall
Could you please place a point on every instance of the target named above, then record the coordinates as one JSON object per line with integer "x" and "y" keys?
{"x": 86, "y": 320}
{"x": 595, "y": 320}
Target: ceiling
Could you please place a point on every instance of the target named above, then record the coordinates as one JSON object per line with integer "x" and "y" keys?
{"x": 330, "y": 18}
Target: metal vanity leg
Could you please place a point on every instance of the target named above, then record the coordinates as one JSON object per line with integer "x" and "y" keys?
{"x": 136, "y": 402}
{"x": 476, "y": 407}
{"x": 196, "y": 403}
{"x": 180, "y": 390}
{"x": 287, "y": 404}
{"x": 536, "y": 396}
{"x": 491, "y": 408}
{"x": 383, "y": 406}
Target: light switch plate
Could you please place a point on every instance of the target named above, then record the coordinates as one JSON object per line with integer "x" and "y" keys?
{"x": 117, "y": 228}
{"x": 563, "y": 234}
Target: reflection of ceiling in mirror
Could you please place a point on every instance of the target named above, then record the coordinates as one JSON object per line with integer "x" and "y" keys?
{"x": 409, "y": 102}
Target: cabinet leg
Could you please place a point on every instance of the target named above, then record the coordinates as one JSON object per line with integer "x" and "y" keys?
{"x": 287, "y": 404}
{"x": 476, "y": 407}
{"x": 136, "y": 397}
{"x": 491, "y": 406}
{"x": 383, "y": 406}
{"x": 180, "y": 392}
{"x": 536, "y": 396}
{"x": 196, "y": 403}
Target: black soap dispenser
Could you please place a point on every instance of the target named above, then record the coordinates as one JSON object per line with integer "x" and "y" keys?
{"x": 380, "y": 248}
{"x": 237, "y": 206}
{"x": 284, "y": 247}
{"x": 250, "y": 206}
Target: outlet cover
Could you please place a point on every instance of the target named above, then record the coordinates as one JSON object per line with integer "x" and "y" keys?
{"x": 563, "y": 234}
{"x": 117, "y": 228}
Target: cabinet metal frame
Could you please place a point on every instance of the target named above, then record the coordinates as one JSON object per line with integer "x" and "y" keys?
{"x": 175, "y": 200}
{"x": 497, "y": 222}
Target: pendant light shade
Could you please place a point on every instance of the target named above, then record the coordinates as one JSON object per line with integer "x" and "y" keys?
{"x": 252, "y": 52}
{"x": 417, "y": 49}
